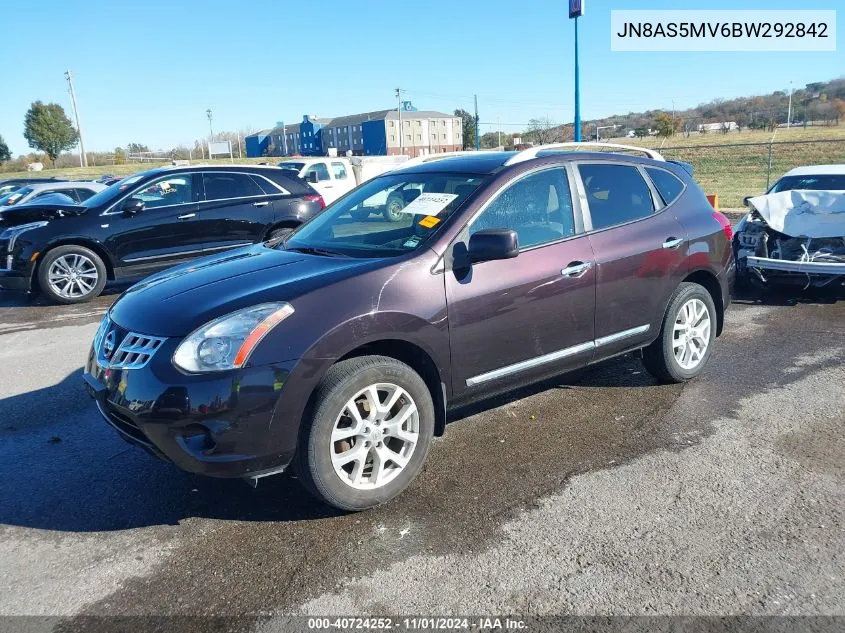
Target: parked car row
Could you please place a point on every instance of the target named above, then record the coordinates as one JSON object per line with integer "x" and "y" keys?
{"x": 145, "y": 223}
{"x": 340, "y": 349}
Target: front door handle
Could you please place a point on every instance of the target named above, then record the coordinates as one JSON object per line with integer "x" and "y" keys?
{"x": 260, "y": 204}
{"x": 187, "y": 216}
{"x": 576, "y": 269}
{"x": 672, "y": 242}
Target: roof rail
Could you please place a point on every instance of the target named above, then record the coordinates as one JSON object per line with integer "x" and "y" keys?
{"x": 427, "y": 158}
{"x": 532, "y": 152}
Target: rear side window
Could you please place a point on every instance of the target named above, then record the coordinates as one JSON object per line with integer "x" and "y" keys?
{"x": 668, "y": 186}
{"x": 339, "y": 170}
{"x": 616, "y": 194}
{"x": 223, "y": 186}
{"x": 83, "y": 194}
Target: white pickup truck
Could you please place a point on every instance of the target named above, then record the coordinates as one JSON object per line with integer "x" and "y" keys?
{"x": 333, "y": 177}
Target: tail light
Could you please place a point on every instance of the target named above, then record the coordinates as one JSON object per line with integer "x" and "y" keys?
{"x": 315, "y": 198}
{"x": 725, "y": 222}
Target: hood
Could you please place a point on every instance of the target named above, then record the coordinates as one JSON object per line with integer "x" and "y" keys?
{"x": 803, "y": 213}
{"x": 179, "y": 300}
{"x": 26, "y": 213}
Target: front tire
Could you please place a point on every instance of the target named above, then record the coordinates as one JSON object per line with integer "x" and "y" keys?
{"x": 686, "y": 336}
{"x": 368, "y": 433}
{"x": 71, "y": 274}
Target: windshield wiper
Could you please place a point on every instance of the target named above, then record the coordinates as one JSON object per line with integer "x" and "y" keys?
{"x": 310, "y": 250}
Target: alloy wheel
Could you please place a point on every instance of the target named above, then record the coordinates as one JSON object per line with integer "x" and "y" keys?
{"x": 374, "y": 436}
{"x": 72, "y": 276}
{"x": 691, "y": 334}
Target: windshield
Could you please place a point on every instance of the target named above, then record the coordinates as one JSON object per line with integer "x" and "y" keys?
{"x": 9, "y": 188}
{"x": 292, "y": 165}
{"x": 825, "y": 182}
{"x": 387, "y": 216}
{"x": 112, "y": 192}
{"x": 13, "y": 196}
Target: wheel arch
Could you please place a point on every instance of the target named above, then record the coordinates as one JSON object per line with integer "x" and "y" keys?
{"x": 417, "y": 359}
{"x": 710, "y": 283}
{"x": 287, "y": 223}
{"x": 92, "y": 245}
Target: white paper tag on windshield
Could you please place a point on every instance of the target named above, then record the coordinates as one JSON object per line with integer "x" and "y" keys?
{"x": 429, "y": 203}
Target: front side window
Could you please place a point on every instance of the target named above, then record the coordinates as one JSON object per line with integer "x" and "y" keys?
{"x": 321, "y": 170}
{"x": 668, "y": 185}
{"x": 167, "y": 191}
{"x": 616, "y": 194}
{"x": 538, "y": 207}
{"x": 339, "y": 170}
{"x": 221, "y": 186}
{"x": 387, "y": 216}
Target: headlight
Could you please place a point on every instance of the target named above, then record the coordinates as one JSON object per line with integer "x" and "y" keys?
{"x": 227, "y": 342}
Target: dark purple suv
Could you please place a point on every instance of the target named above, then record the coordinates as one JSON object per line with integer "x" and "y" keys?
{"x": 341, "y": 348}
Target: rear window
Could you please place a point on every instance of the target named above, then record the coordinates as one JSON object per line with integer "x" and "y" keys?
{"x": 668, "y": 185}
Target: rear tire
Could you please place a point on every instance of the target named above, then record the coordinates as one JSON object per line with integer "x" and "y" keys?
{"x": 71, "y": 274}
{"x": 346, "y": 457}
{"x": 686, "y": 336}
{"x": 393, "y": 209}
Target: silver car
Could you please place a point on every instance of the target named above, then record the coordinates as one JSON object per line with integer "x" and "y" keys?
{"x": 76, "y": 192}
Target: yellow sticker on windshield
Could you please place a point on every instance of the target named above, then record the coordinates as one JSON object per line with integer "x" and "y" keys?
{"x": 429, "y": 221}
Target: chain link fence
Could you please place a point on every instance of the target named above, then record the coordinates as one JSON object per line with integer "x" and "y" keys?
{"x": 733, "y": 171}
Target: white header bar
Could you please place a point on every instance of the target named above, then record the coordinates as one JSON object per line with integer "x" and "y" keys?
{"x": 722, "y": 30}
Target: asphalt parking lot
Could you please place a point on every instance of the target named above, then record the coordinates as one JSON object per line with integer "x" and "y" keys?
{"x": 600, "y": 494}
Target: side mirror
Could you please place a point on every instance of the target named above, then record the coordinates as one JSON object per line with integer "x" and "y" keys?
{"x": 745, "y": 200}
{"x": 133, "y": 206}
{"x": 313, "y": 177}
{"x": 490, "y": 244}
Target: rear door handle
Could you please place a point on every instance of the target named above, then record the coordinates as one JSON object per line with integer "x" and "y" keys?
{"x": 576, "y": 269}
{"x": 672, "y": 242}
{"x": 260, "y": 204}
{"x": 187, "y": 216}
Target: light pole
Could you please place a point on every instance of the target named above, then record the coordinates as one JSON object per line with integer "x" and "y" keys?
{"x": 399, "y": 114}
{"x": 576, "y": 10}
{"x": 210, "y": 130}
{"x": 603, "y": 127}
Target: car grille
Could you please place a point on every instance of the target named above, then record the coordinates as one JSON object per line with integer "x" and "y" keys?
{"x": 118, "y": 349}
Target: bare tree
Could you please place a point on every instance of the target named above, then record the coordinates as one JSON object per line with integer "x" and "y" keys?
{"x": 543, "y": 130}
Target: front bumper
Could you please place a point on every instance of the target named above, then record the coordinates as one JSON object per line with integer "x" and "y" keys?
{"x": 14, "y": 280}
{"x": 784, "y": 265}
{"x": 219, "y": 425}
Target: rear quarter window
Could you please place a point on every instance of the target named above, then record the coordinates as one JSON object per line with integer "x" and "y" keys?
{"x": 668, "y": 185}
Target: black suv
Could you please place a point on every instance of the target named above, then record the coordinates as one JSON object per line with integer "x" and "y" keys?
{"x": 145, "y": 223}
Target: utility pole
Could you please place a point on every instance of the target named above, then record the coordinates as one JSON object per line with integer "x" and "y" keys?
{"x": 789, "y": 109}
{"x": 498, "y": 133}
{"x": 83, "y": 159}
{"x": 210, "y": 130}
{"x": 285, "y": 137}
{"x": 477, "y": 139}
{"x": 399, "y": 112}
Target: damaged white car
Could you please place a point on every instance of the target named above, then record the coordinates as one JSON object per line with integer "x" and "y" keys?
{"x": 795, "y": 234}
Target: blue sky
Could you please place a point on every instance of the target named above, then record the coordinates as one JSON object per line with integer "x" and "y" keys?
{"x": 148, "y": 71}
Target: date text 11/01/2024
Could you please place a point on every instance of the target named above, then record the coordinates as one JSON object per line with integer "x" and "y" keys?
{"x": 417, "y": 624}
